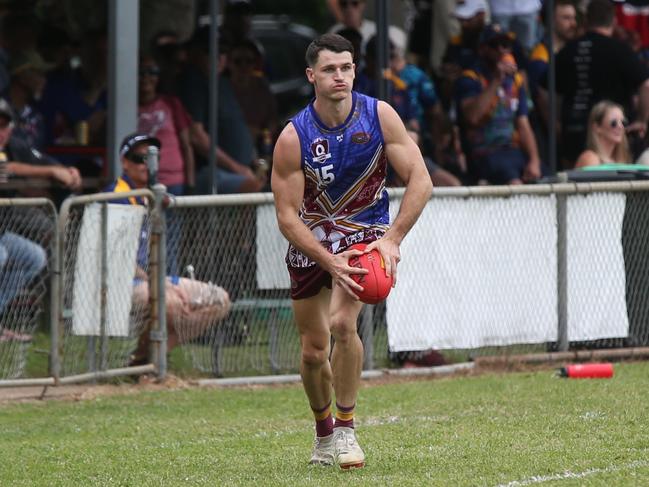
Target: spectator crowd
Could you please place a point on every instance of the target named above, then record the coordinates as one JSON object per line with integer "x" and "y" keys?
{"x": 468, "y": 77}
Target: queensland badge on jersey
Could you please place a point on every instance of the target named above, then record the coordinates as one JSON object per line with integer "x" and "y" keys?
{"x": 320, "y": 150}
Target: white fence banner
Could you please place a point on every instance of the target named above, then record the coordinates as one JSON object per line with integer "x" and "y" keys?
{"x": 477, "y": 272}
{"x": 124, "y": 230}
{"x": 271, "y": 250}
{"x": 596, "y": 274}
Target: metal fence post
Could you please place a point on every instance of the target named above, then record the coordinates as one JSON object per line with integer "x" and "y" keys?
{"x": 55, "y": 300}
{"x": 562, "y": 272}
{"x": 158, "y": 282}
{"x": 103, "y": 344}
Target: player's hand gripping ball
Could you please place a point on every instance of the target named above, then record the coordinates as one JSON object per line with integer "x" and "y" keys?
{"x": 376, "y": 283}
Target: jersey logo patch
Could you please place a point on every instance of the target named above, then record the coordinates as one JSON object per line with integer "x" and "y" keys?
{"x": 320, "y": 150}
{"x": 360, "y": 138}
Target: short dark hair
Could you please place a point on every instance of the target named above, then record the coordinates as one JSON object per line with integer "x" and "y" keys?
{"x": 329, "y": 42}
{"x": 600, "y": 13}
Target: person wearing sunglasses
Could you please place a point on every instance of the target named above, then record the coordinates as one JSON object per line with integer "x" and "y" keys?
{"x": 192, "y": 306}
{"x": 593, "y": 67}
{"x": 606, "y": 140}
{"x": 164, "y": 117}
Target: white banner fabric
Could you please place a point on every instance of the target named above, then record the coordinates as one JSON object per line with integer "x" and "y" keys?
{"x": 124, "y": 229}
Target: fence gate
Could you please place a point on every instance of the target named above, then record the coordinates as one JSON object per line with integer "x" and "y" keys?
{"x": 107, "y": 289}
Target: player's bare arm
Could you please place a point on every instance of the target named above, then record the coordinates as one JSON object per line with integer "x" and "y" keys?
{"x": 406, "y": 159}
{"x": 287, "y": 182}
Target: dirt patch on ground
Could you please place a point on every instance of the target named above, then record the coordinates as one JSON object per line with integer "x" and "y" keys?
{"x": 82, "y": 392}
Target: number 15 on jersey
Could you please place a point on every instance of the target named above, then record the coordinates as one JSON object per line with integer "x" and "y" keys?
{"x": 325, "y": 174}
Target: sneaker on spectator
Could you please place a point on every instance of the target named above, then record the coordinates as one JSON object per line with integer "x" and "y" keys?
{"x": 348, "y": 453}
{"x": 323, "y": 451}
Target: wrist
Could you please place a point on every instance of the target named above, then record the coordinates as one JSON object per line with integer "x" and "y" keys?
{"x": 392, "y": 236}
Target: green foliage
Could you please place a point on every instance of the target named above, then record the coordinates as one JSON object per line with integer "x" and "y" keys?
{"x": 482, "y": 430}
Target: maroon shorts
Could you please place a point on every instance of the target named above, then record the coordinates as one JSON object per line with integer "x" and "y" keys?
{"x": 306, "y": 282}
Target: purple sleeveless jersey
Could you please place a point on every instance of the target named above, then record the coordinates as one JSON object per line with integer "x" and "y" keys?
{"x": 345, "y": 200}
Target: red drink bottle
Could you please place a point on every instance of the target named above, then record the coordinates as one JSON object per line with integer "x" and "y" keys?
{"x": 587, "y": 371}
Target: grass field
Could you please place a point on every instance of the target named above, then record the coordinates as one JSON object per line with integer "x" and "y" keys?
{"x": 490, "y": 429}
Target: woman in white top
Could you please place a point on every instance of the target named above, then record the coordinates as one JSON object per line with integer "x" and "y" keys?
{"x": 606, "y": 140}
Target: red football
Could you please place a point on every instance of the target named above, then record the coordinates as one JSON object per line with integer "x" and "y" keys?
{"x": 376, "y": 283}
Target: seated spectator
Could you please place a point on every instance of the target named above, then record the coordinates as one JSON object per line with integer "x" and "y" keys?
{"x": 423, "y": 98}
{"x": 595, "y": 67}
{"x": 606, "y": 140}
{"x": 463, "y": 50}
{"x": 18, "y": 32}
{"x": 164, "y": 117}
{"x": 170, "y": 55}
{"x": 21, "y": 260}
{"x": 192, "y": 306}
{"x": 78, "y": 96}
{"x": 399, "y": 97}
{"x": 27, "y": 70}
{"x": 21, "y": 160}
{"x": 252, "y": 89}
{"x": 55, "y": 46}
{"x": 235, "y": 154}
{"x": 492, "y": 106}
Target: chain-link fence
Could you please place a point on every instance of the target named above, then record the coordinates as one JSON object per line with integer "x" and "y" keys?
{"x": 486, "y": 271}
{"x": 216, "y": 247}
{"x": 107, "y": 293}
{"x": 27, "y": 242}
{"x": 523, "y": 270}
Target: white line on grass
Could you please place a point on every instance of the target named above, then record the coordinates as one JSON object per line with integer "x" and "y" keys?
{"x": 538, "y": 479}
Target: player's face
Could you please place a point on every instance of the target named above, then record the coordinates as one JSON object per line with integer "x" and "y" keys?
{"x": 135, "y": 167}
{"x": 333, "y": 75}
